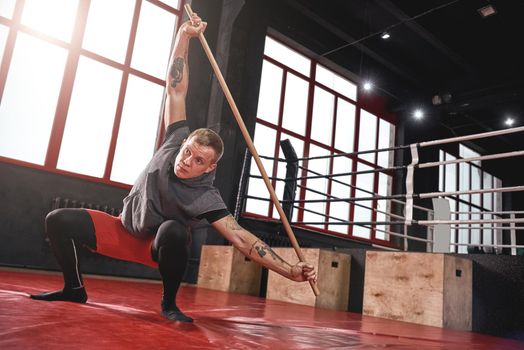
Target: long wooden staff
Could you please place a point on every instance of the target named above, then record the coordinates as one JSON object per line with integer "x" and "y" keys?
{"x": 251, "y": 147}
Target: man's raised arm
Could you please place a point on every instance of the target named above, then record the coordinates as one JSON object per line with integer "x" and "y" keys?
{"x": 255, "y": 249}
{"x": 177, "y": 79}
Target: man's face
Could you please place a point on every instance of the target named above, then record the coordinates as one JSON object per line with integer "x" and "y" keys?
{"x": 194, "y": 160}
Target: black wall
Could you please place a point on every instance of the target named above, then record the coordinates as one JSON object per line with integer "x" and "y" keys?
{"x": 27, "y": 196}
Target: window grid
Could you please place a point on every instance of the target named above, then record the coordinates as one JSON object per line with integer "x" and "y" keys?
{"x": 474, "y": 233}
{"x": 328, "y": 148}
{"x": 75, "y": 51}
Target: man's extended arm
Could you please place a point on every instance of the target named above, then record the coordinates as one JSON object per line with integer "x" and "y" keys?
{"x": 260, "y": 252}
{"x": 177, "y": 79}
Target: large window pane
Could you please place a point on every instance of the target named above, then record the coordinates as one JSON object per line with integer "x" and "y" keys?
{"x": 52, "y": 17}
{"x": 264, "y": 141}
{"x": 466, "y": 152}
{"x": 286, "y": 56}
{"x": 488, "y": 196}
{"x": 451, "y": 175}
{"x": 295, "y": 104}
{"x": 138, "y": 129}
{"x": 464, "y": 185}
{"x": 336, "y": 82}
{"x": 476, "y": 184}
{"x": 322, "y": 122}
{"x": 107, "y": 34}
{"x": 90, "y": 119}
{"x": 3, "y": 38}
{"x": 340, "y": 188}
{"x": 386, "y": 132}
{"x": 270, "y": 92}
{"x": 28, "y": 108}
{"x": 363, "y": 211}
{"x": 463, "y": 232}
{"x": 7, "y": 7}
{"x": 383, "y": 205}
{"x": 154, "y": 36}
{"x": 441, "y": 157}
{"x": 367, "y": 135}
{"x": 454, "y": 232}
{"x": 345, "y": 128}
{"x": 320, "y": 166}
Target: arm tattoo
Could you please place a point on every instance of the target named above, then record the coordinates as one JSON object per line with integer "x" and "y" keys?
{"x": 232, "y": 224}
{"x": 177, "y": 71}
{"x": 262, "y": 249}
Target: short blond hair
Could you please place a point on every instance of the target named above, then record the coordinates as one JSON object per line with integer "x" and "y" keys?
{"x": 208, "y": 137}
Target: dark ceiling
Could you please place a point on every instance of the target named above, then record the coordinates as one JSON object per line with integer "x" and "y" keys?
{"x": 437, "y": 47}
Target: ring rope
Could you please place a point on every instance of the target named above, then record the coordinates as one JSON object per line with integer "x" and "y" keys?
{"x": 472, "y": 159}
{"x": 489, "y": 245}
{"x": 498, "y": 213}
{"x": 471, "y": 137}
{"x": 346, "y": 154}
{"x": 486, "y": 190}
{"x": 502, "y": 228}
{"x": 469, "y": 222}
{"x": 356, "y": 204}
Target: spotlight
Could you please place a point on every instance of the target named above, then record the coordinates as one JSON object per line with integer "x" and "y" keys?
{"x": 509, "y": 121}
{"x": 385, "y": 35}
{"x": 368, "y": 86}
{"x": 486, "y": 11}
{"x": 418, "y": 114}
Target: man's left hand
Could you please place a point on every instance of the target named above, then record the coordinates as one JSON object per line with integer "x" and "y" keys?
{"x": 303, "y": 271}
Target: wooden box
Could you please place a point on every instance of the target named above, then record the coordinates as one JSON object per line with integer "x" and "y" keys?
{"x": 225, "y": 268}
{"x": 424, "y": 288}
{"x": 333, "y": 271}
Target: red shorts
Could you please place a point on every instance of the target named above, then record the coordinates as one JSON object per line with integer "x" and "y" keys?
{"x": 113, "y": 240}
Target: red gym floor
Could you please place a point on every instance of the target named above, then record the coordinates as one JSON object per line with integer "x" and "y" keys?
{"x": 123, "y": 314}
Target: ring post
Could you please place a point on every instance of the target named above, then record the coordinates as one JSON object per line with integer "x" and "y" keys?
{"x": 251, "y": 147}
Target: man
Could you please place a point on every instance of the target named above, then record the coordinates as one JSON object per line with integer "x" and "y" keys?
{"x": 175, "y": 188}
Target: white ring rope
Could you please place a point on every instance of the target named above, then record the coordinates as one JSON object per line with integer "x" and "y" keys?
{"x": 471, "y": 137}
{"x": 494, "y": 245}
{"x": 486, "y": 190}
{"x": 472, "y": 159}
{"x": 497, "y": 213}
{"x": 469, "y": 222}
{"x": 503, "y": 228}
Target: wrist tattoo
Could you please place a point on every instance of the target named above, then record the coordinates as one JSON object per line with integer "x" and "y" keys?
{"x": 177, "y": 71}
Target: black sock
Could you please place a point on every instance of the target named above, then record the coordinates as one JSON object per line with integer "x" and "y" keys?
{"x": 173, "y": 313}
{"x": 77, "y": 295}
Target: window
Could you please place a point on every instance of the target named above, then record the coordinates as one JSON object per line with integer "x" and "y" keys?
{"x": 91, "y": 84}
{"x": 25, "y": 128}
{"x": 467, "y": 176}
{"x": 318, "y": 111}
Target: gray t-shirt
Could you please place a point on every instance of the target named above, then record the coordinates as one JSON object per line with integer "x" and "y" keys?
{"x": 158, "y": 195}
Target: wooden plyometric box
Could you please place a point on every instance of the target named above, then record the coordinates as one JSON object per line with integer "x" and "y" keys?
{"x": 225, "y": 268}
{"x": 424, "y": 288}
{"x": 333, "y": 271}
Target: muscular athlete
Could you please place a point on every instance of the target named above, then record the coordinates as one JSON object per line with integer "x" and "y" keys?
{"x": 175, "y": 188}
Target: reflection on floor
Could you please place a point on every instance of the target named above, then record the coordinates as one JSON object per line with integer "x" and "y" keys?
{"x": 124, "y": 314}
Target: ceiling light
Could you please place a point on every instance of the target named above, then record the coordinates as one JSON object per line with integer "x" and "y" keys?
{"x": 368, "y": 86}
{"x": 418, "y": 114}
{"x": 385, "y": 35}
{"x": 509, "y": 121}
{"x": 487, "y": 11}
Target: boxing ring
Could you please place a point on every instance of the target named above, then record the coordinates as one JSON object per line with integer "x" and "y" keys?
{"x": 437, "y": 220}
{"x": 123, "y": 313}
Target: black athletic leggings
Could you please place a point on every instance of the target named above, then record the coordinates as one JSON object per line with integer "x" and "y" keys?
{"x": 68, "y": 229}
